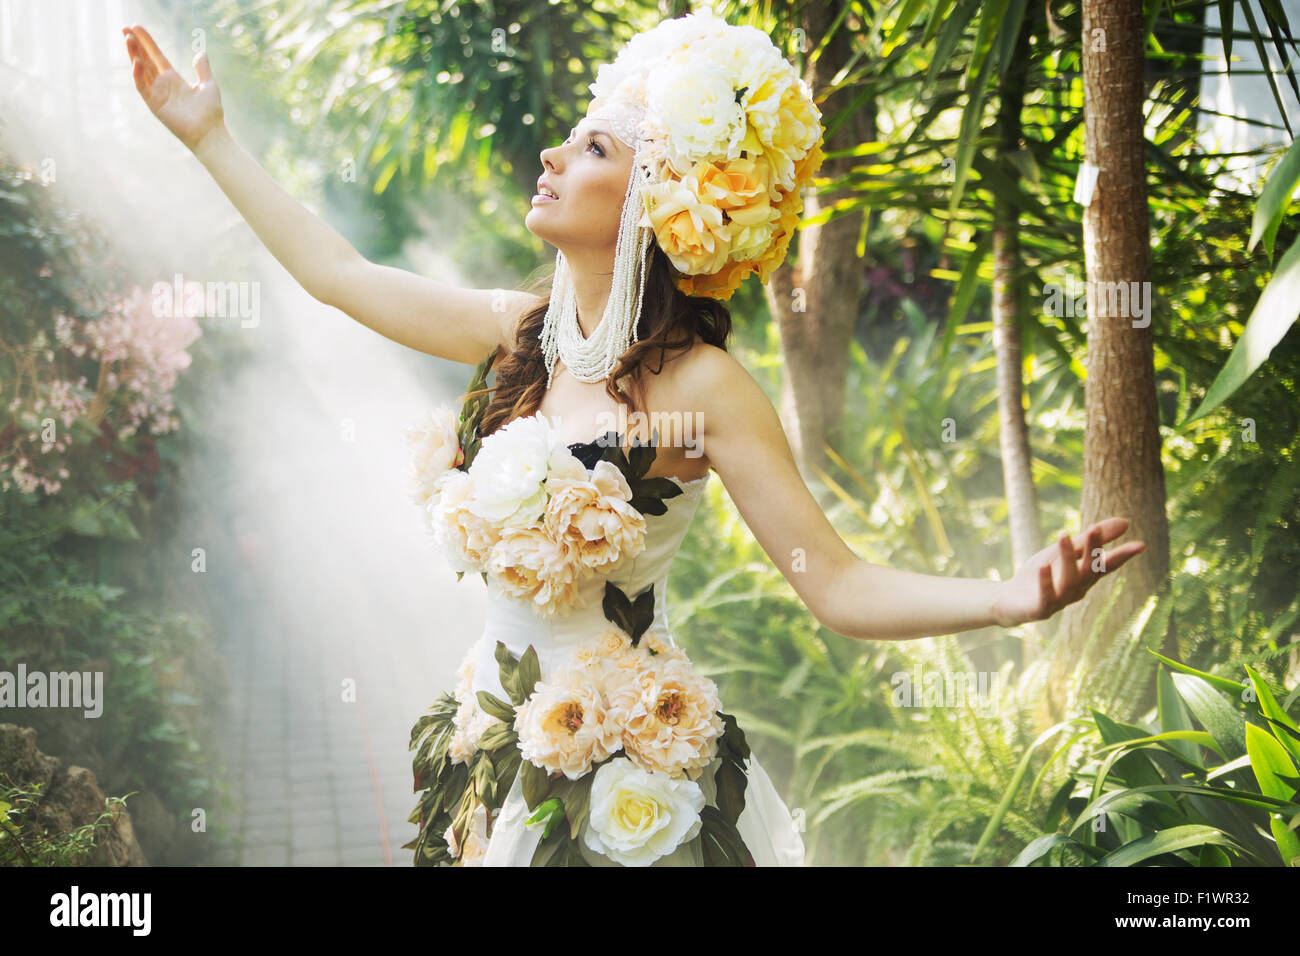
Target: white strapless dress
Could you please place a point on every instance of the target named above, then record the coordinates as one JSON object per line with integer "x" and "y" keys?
{"x": 765, "y": 824}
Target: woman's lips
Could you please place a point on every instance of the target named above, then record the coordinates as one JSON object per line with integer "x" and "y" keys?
{"x": 542, "y": 198}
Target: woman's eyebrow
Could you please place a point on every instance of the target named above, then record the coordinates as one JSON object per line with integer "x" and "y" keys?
{"x": 598, "y": 132}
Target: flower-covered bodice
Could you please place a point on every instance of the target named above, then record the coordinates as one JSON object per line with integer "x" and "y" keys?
{"x": 579, "y": 733}
{"x": 515, "y": 623}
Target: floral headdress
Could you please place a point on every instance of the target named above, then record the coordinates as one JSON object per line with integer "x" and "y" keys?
{"x": 725, "y": 135}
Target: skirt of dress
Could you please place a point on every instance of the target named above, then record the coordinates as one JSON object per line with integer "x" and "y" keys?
{"x": 765, "y": 824}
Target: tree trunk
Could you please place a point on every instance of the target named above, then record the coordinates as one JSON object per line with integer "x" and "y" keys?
{"x": 1013, "y": 433}
{"x": 1122, "y": 474}
{"x": 815, "y": 301}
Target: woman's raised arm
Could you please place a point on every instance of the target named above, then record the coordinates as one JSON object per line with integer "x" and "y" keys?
{"x": 746, "y": 445}
{"x": 459, "y": 324}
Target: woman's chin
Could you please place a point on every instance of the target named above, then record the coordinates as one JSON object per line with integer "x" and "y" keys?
{"x": 535, "y": 224}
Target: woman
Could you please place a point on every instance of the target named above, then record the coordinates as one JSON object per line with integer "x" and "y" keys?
{"x": 650, "y": 236}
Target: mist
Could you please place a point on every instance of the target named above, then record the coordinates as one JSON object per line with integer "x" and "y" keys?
{"x": 337, "y": 620}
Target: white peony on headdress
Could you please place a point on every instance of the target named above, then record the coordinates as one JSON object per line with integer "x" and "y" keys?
{"x": 725, "y": 135}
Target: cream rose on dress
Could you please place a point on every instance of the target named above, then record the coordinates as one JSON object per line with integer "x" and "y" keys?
{"x": 668, "y": 714}
{"x": 464, "y": 538}
{"x": 435, "y": 452}
{"x": 662, "y": 646}
{"x": 465, "y": 677}
{"x": 471, "y": 722}
{"x": 563, "y": 725}
{"x": 638, "y": 816}
{"x": 476, "y": 838}
{"x": 528, "y": 564}
{"x": 593, "y": 518}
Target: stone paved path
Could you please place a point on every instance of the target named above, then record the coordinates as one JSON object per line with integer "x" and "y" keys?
{"x": 320, "y": 574}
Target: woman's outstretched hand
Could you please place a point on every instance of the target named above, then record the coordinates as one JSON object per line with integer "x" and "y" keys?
{"x": 1055, "y": 577}
{"x": 190, "y": 111}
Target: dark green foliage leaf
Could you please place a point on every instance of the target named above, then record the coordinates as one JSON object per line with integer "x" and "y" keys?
{"x": 495, "y": 706}
{"x": 528, "y": 674}
{"x": 720, "y": 841}
{"x": 632, "y": 617}
{"x": 647, "y": 493}
{"x": 535, "y": 783}
{"x": 471, "y": 413}
{"x": 731, "y": 776}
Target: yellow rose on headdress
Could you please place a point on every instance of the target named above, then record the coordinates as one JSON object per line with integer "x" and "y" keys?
{"x": 785, "y": 227}
{"x": 688, "y": 227}
{"x": 804, "y": 169}
{"x": 720, "y": 285}
{"x": 797, "y": 129}
{"x": 740, "y": 189}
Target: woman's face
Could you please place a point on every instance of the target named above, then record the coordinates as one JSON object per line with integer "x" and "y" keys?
{"x": 589, "y": 173}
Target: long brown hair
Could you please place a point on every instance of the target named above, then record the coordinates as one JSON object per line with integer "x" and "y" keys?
{"x": 670, "y": 319}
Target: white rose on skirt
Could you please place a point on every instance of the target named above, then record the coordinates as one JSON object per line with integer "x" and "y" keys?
{"x": 638, "y": 816}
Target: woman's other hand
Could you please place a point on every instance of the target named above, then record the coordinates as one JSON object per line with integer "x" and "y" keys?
{"x": 1061, "y": 574}
{"x": 190, "y": 111}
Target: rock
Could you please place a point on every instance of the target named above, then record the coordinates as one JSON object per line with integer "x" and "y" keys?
{"x": 70, "y": 797}
{"x": 155, "y": 828}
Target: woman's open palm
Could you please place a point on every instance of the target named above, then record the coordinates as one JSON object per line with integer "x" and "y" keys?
{"x": 189, "y": 110}
{"x": 1062, "y": 573}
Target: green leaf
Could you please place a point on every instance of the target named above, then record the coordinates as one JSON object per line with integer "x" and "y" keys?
{"x": 552, "y": 812}
{"x": 995, "y": 821}
{"x": 1273, "y": 315}
{"x": 721, "y": 842}
{"x": 529, "y": 673}
{"x": 1274, "y": 199}
{"x": 1269, "y": 707}
{"x": 1271, "y": 763}
{"x": 1213, "y": 856}
{"x": 1173, "y": 714}
{"x": 579, "y": 804}
{"x": 508, "y": 673}
{"x": 1214, "y": 713}
{"x": 1224, "y": 684}
{"x": 495, "y": 706}
{"x": 498, "y": 735}
{"x": 975, "y": 86}
{"x": 1166, "y": 841}
{"x": 534, "y": 782}
{"x": 1042, "y": 846}
{"x": 632, "y": 617}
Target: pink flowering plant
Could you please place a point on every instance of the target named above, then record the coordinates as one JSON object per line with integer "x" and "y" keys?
{"x": 88, "y": 372}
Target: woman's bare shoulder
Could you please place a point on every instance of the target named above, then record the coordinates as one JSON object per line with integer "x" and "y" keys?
{"x": 704, "y": 367}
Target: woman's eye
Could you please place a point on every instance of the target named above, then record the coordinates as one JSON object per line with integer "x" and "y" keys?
{"x": 592, "y": 142}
